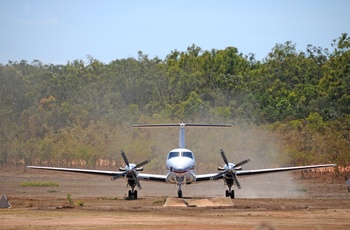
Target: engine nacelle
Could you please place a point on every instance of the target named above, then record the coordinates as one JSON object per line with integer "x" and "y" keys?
{"x": 171, "y": 177}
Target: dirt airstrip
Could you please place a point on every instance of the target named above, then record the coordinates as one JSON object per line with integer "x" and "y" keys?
{"x": 279, "y": 201}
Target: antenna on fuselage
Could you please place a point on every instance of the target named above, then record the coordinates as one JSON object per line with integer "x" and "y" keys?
{"x": 182, "y": 129}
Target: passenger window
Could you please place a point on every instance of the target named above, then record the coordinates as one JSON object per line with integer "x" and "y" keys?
{"x": 173, "y": 154}
{"x": 187, "y": 154}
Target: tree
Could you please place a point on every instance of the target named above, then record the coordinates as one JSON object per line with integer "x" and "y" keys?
{"x": 335, "y": 84}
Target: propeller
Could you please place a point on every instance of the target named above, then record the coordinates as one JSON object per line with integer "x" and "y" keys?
{"x": 131, "y": 169}
{"x": 230, "y": 169}
{"x": 125, "y": 158}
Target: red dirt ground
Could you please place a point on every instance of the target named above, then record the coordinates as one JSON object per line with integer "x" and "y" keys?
{"x": 278, "y": 201}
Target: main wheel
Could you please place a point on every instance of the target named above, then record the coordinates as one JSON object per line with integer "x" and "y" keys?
{"x": 179, "y": 194}
{"x": 129, "y": 194}
{"x": 227, "y": 193}
{"x": 232, "y": 194}
{"x": 135, "y": 195}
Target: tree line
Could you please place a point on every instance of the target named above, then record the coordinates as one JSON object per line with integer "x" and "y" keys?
{"x": 79, "y": 113}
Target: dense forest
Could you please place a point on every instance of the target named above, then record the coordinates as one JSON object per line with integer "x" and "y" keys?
{"x": 292, "y": 107}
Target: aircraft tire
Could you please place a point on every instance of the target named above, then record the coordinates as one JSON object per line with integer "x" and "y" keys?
{"x": 232, "y": 194}
{"x": 179, "y": 194}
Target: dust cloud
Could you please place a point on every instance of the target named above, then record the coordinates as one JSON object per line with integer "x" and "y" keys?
{"x": 261, "y": 146}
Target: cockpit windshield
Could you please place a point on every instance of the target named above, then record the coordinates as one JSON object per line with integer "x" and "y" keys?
{"x": 182, "y": 154}
{"x": 187, "y": 154}
{"x": 173, "y": 154}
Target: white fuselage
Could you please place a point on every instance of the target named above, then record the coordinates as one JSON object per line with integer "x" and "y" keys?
{"x": 181, "y": 166}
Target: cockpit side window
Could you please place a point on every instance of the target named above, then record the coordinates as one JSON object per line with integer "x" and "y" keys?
{"x": 187, "y": 154}
{"x": 173, "y": 154}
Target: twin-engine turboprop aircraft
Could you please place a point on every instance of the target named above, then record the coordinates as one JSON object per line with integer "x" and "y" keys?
{"x": 180, "y": 164}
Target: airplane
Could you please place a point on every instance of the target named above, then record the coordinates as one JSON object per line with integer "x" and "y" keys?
{"x": 180, "y": 163}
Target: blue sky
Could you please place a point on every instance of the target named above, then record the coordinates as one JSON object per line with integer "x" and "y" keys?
{"x": 65, "y": 30}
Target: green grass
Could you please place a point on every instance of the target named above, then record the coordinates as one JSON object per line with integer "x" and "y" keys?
{"x": 302, "y": 190}
{"x": 157, "y": 202}
{"x": 39, "y": 184}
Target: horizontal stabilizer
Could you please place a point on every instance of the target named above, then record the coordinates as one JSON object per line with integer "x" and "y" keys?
{"x": 182, "y": 128}
{"x": 180, "y": 124}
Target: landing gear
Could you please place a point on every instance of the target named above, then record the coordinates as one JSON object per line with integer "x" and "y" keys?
{"x": 179, "y": 181}
{"x": 230, "y": 194}
{"x": 179, "y": 194}
{"x": 132, "y": 194}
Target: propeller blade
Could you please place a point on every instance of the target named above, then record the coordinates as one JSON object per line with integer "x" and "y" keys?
{"x": 142, "y": 163}
{"x": 217, "y": 176}
{"x": 223, "y": 156}
{"x": 125, "y": 158}
{"x": 137, "y": 182}
{"x": 242, "y": 163}
{"x": 236, "y": 181}
{"x": 118, "y": 176}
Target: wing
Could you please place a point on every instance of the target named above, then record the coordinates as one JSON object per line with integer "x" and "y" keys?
{"x": 207, "y": 177}
{"x": 86, "y": 171}
{"x": 141, "y": 176}
{"x": 152, "y": 177}
{"x": 285, "y": 169}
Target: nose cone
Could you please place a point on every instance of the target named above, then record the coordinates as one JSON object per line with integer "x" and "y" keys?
{"x": 180, "y": 165}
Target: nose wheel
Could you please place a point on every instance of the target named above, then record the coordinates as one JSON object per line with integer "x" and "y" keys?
{"x": 179, "y": 181}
